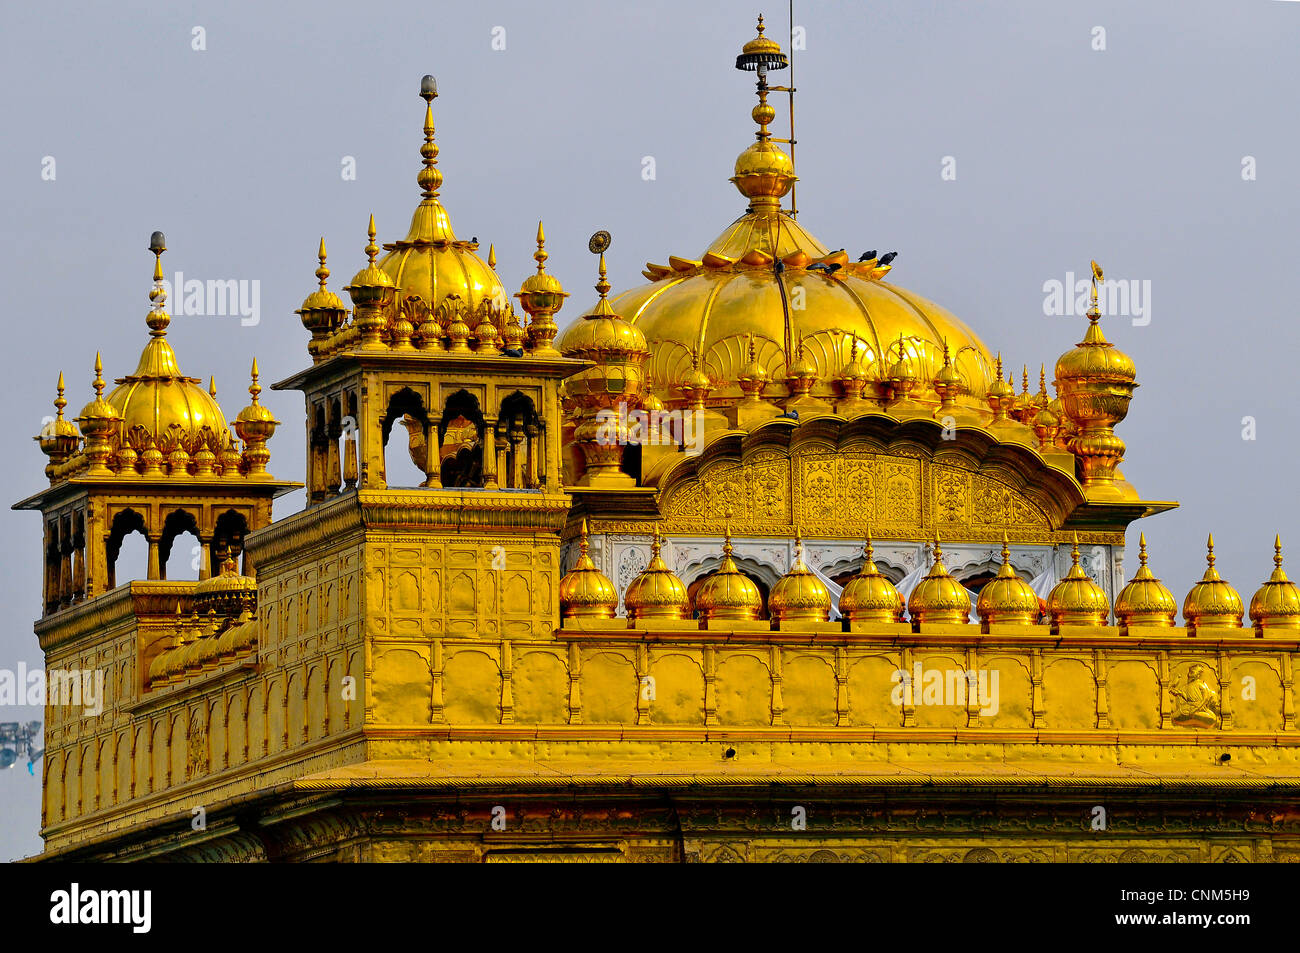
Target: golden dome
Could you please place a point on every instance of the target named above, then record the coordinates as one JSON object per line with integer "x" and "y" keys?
{"x": 586, "y": 592}
{"x": 747, "y": 279}
{"x": 869, "y": 596}
{"x": 1276, "y": 604}
{"x": 602, "y": 334}
{"x": 1007, "y": 598}
{"x": 1094, "y": 358}
{"x": 1077, "y": 599}
{"x": 1145, "y": 600}
{"x": 657, "y": 593}
{"x": 1212, "y": 602}
{"x": 727, "y": 593}
{"x": 939, "y": 597}
{"x": 799, "y": 596}
{"x": 322, "y": 310}
{"x": 99, "y": 416}
{"x": 239, "y": 637}
{"x": 227, "y": 592}
{"x": 371, "y": 284}
{"x": 431, "y": 261}
{"x": 61, "y": 437}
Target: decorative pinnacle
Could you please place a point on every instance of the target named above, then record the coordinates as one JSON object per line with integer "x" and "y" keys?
{"x": 1024, "y": 380}
{"x": 602, "y": 286}
{"x": 1209, "y": 551}
{"x": 322, "y": 272}
{"x": 372, "y": 250}
{"x": 999, "y": 363}
{"x": 59, "y": 401}
{"x": 157, "y": 319}
{"x": 726, "y": 540}
{"x": 212, "y": 387}
{"x": 1094, "y": 313}
{"x": 938, "y": 551}
{"x": 751, "y": 347}
{"x": 1277, "y": 548}
{"x": 1142, "y": 549}
{"x": 492, "y": 256}
{"x": 541, "y": 254}
{"x": 99, "y": 376}
{"x": 429, "y": 177}
{"x": 868, "y": 550}
{"x": 254, "y": 388}
{"x": 1006, "y": 550}
{"x": 583, "y": 545}
{"x": 1042, "y": 379}
{"x": 1074, "y": 550}
{"x": 656, "y": 542}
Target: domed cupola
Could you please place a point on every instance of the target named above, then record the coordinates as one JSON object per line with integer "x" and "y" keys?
{"x": 939, "y": 597}
{"x": 1276, "y": 604}
{"x": 1145, "y": 600}
{"x": 727, "y": 593}
{"x": 869, "y": 596}
{"x": 657, "y": 592}
{"x": 1077, "y": 599}
{"x": 1007, "y": 598}
{"x": 586, "y": 592}
{"x": 799, "y": 596}
{"x": 1212, "y": 602}
{"x": 431, "y": 262}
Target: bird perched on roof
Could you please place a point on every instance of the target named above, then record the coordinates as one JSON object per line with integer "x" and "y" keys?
{"x": 828, "y": 267}
{"x": 886, "y": 258}
{"x": 514, "y": 352}
{"x": 778, "y": 265}
{"x": 868, "y": 255}
{"x": 789, "y": 415}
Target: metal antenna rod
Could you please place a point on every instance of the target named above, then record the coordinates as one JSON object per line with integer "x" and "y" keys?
{"x": 794, "y": 189}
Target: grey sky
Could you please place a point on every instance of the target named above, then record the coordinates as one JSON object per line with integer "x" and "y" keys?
{"x": 1131, "y": 156}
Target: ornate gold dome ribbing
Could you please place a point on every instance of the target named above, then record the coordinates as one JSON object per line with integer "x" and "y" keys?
{"x": 431, "y": 261}
{"x": 657, "y": 592}
{"x": 1077, "y": 599}
{"x": 727, "y": 593}
{"x": 939, "y": 597}
{"x": 1276, "y": 604}
{"x": 171, "y": 409}
{"x": 869, "y": 596}
{"x": 799, "y": 596}
{"x": 1145, "y": 600}
{"x": 227, "y": 592}
{"x": 586, "y": 592}
{"x": 1007, "y": 598}
{"x": 1212, "y": 602}
{"x": 768, "y": 275}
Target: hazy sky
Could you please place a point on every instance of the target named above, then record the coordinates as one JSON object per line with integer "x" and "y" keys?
{"x": 1132, "y": 155}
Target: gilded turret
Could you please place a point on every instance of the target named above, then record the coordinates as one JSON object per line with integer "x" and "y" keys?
{"x": 657, "y": 592}
{"x": 99, "y": 422}
{"x": 1212, "y": 602}
{"x": 1145, "y": 600}
{"x": 372, "y": 293}
{"x": 322, "y": 312}
{"x": 727, "y": 593}
{"x": 255, "y": 426}
{"x": 799, "y": 596}
{"x": 58, "y": 439}
{"x": 1096, "y": 382}
{"x": 939, "y": 597}
{"x": 1077, "y": 599}
{"x": 1276, "y": 604}
{"x": 869, "y": 596}
{"x": 541, "y": 296}
{"x": 1007, "y": 598}
{"x": 586, "y": 592}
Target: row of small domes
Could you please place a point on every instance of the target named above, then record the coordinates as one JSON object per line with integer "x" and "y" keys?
{"x": 799, "y": 595}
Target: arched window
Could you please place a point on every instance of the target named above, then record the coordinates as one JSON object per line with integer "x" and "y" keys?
{"x": 462, "y": 433}
{"x": 227, "y": 539}
{"x": 411, "y": 468}
{"x": 123, "y": 541}
{"x": 179, "y": 562}
{"x": 520, "y": 428}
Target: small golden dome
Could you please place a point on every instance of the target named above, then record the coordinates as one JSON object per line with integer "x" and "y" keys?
{"x": 1145, "y": 600}
{"x": 586, "y": 592}
{"x": 602, "y": 334}
{"x": 650, "y": 401}
{"x": 1094, "y": 359}
{"x": 61, "y": 437}
{"x": 542, "y": 284}
{"x": 1007, "y": 598}
{"x": 799, "y": 596}
{"x": 239, "y": 637}
{"x": 371, "y": 285}
{"x": 228, "y": 593}
{"x": 1276, "y": 604}
{"x": 1212, "y": 602}
{"x": 761, "y": 51}
{"x": 727, "y": 593}
{"x": 99, "y": 416}
{"x": 1077, "y": 599}
{"x": 322, "y": 309}
{"x": 657, "y": 593}
{"x": 939, "y": 597}
{"x": 869, "y": 596}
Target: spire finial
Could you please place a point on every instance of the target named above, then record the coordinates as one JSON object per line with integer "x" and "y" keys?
{"x": 1277, "y": 551}
{"x": 372, "y": 250}
{"x": 656, "y": 542}
{"x": 1042, "y": 379}
{"x": 322, "y": 272}
{"x": 584, "y": 545}
{"x": 869, "y": 550}
{"x": 751, "y": 347}
{"x": 492, "y": 256}
{"x": 1142, "y": 549}
{"x": 1094, "y": 313}
{"x": 726, "y": 540}
{"x": 1006, "y": 550}
{"x": 1074, "y": 550}
{"x": 59, "y": 401}
{"x": 429, "y": 177}
{"x": 212, "y": 387}
{"x": 1024, "y": 380}
{"x": 999, "y": 364}
{"x": 158, "y": 318}
{"x": 602, "y": 286}
{"x": 938, "y": 551}
{"x": 254, "y": 388}
{"x": 541, "y": 254}
{"x": 1209, "y": 551}
{"x": 99, "y": 376}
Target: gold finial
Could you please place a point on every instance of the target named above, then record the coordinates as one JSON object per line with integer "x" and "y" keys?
{"x": 1042, "y": 379}
{"x": 1277, "y": 549}
{"x": 492, "y": 256}
{"x": 429, "y": 177}
{"x": 59, "y": 401}
{"x": 656, "y": 542}
{"x": 541, "y": 254}
{"x": 999, "y": 373}
{"x": 372, "y": 250}
{"x": 158, "y": 318}
{"x": 322, "y": 272}
{"x": 1006, "y": 550}
{"x": 602, "y": 286}
{"x": 1142, "y": 549}
{"x": 1097, "y": 277}
{"x": 869, "y": 550}
{"x": 583, "y": 544}
{"x": 99, "y": 376}
{"x": 1024, "y": 380}
{"x": 1074, "y": 550}
{"x": 726, "y": 539}
{"x": 254, "y": 388}
{"x": 752, "y": 355}
{"x": 1209, "y": 552}
{"x": 212, "y": 387}
{"x": 938, "y": 551}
